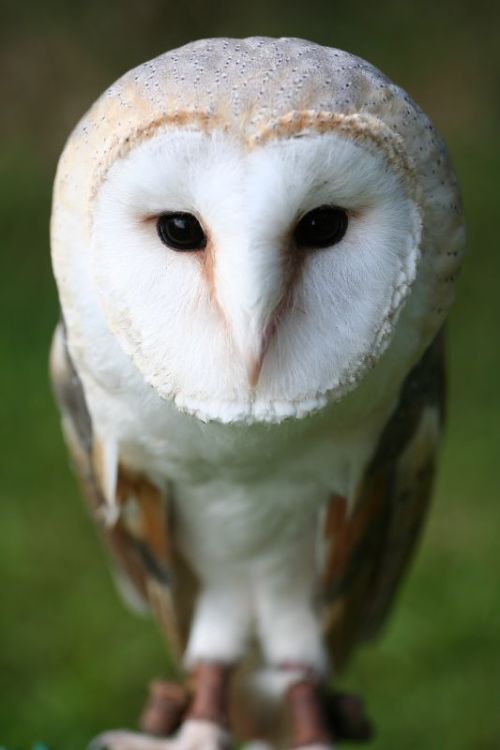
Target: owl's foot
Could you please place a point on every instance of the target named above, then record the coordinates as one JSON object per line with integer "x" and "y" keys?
{"x": 121, "y": 739}
{"x": 194, "y": 734}
{"x": 199, "y": 714}
{"x": 165, "y": 708}
{"x": 346, "y": 716}
{"x": 319, "y": 717}
{"x": 307, "y": 723}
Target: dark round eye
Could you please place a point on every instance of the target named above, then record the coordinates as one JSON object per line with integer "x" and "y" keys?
{"x": 181, "y": 231}
{"x": 321, "y": 227}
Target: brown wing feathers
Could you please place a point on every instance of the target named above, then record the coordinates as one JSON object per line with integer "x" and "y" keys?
{"x": 371, "y": 547}
{"x": 139, "y": 540}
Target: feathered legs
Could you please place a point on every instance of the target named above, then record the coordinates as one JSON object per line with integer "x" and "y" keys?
{"x": 291, "y": 643}
{"x": 218, "y": 637}
{"x": 291, "y": 640}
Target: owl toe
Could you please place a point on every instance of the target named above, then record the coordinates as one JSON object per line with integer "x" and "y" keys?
{"x": 198, "y": 734}
{"x": 194, "y": 734}
{"x": 124, "y": 740}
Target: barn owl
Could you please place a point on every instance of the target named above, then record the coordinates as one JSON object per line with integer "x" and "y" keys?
{"x": 255, "y": 244}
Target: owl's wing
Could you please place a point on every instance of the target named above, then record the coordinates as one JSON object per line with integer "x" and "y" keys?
{"x": 367, "y": 550}
{"x": 135, "y": 526}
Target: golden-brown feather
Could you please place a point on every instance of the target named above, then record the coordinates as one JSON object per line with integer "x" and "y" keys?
{"x": 139, "y": 542}
{"x": 371, "y": 547}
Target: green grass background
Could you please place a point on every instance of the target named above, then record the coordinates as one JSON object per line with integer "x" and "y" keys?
{"x": 72, "y": 660}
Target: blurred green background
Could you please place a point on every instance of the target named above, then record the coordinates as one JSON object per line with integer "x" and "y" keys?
{"x": 72, "y": 660}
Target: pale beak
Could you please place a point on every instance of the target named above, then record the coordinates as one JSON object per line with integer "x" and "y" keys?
{"x": 251, "y": 291}
{"x": 254, "y": 366}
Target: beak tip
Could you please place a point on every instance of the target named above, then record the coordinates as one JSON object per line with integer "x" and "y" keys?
{"x": 255, "y": 355}
{"x": 254, "y": 370}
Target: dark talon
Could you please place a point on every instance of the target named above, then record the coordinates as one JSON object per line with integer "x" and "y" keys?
{"x": 345, "y": 716}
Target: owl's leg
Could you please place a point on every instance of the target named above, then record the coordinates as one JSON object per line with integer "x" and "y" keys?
{"x": 221, "y": 625}
{"x": 218, "y": 637}
{"x": 299, "y": 689}
{"x": 291, "y": 642}
{"x": 205, "y": 725}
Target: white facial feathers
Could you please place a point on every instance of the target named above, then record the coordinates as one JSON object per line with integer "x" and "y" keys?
{"x": 195, "y": 326}
{"x": 248, "y": 135}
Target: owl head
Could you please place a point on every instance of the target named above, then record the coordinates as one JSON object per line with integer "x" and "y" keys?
{"x": 255, "y": 224}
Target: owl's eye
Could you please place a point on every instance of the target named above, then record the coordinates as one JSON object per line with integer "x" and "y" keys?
{"x": 321, "y": 227}
{"x": 181, "y": 231}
